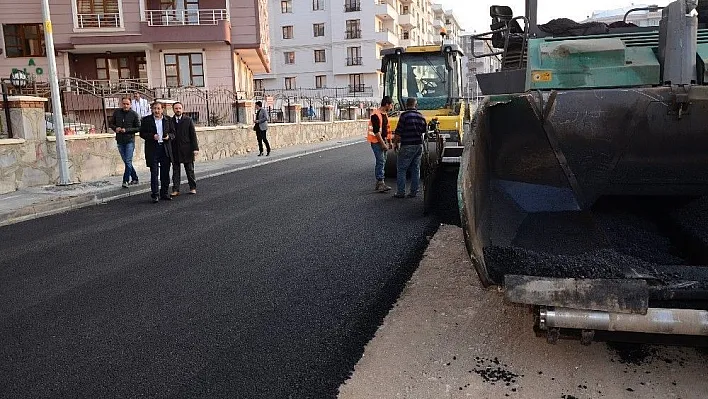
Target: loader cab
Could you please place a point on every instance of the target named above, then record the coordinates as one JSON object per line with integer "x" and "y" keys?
{"x": 428, "y": 73}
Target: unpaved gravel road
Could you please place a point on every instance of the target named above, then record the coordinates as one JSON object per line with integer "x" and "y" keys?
{"x": 447, "y": 337}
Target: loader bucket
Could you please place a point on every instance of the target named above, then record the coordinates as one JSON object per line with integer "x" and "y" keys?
{"x": 535, "y": 163}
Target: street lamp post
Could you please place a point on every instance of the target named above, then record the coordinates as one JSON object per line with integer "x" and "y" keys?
{"x": 62, "y": 158}
{"x": 17, "y": 79}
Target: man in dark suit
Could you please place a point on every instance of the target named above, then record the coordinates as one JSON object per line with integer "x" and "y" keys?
{"x": 184, "y": 149}
{"x": 158, "y": 132}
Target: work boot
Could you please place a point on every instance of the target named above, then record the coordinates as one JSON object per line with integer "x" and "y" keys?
{"x": 382, "y": 187}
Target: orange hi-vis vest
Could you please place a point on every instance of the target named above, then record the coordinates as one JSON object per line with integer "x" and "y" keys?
{"x": 371, "y": 136}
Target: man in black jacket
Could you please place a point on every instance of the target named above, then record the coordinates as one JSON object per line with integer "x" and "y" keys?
{"x": 158, "y": 133}
{"x": 126, "y": 123}
{"x": 184, "y": 149}
{"x": 409, "y": 133}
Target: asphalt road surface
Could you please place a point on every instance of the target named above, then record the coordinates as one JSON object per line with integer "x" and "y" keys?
{"x": 267, "y": 284}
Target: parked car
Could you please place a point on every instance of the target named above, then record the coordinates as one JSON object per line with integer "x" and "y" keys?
{"x": 71, "y": 125}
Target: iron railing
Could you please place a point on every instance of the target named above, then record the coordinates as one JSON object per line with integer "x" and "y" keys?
{"x": 102, "y": 20}
{"x": 185, "y": 17}
{"x": 351, "y": 6}
{"x": 88, "y": 105}
{"x": 351, "y": 61}
{"x": 352, "y": 34}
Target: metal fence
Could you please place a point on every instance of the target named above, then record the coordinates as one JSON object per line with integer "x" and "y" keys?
{"x": 88, "y": 105}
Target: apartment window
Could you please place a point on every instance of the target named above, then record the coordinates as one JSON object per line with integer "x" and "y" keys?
{"x": 289, "y": 57}
{"x": 320, "y": 56}
{"x": 184, "y": 70}
{"x": 286, "y": 6}
{"x": 112, "y": 69}
{"x": 24, "y": 40}
{"x": 406, "y": 35}
{"x": 320, "y": 81}
{"x": 353, "y": 56}
{"x": 317, "y": 5}
{"x": 258, "y": 85}
{"x": 318, "y": 30}
{"x": 355, "y": 83}
{"x": 287, "y": 32}
{"x": 352, "y": 5}
{"x": 289, "y": 83}
{"x": 353, "y": 29}
{"x": 97, "y": 14}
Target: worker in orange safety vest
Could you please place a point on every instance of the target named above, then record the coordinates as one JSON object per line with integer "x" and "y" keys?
{"x": 379, "y": 136}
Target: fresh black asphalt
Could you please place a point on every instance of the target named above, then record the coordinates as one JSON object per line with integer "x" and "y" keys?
{"x": 267, "y": 284}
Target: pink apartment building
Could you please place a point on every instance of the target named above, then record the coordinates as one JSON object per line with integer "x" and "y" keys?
{"x": 162, "y": 43}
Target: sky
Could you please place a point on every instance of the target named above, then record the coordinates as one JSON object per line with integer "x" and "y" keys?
{"x": 474, "y": 14}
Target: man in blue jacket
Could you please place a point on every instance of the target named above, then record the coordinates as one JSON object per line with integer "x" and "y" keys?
{"x": 409, "y": 133}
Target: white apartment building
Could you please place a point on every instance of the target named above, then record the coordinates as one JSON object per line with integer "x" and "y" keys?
{"x": 446, "y": 19}
{"x": 336, "y": 44}
{"x": 472, "y": 66}
{"x": 639, "y": 18}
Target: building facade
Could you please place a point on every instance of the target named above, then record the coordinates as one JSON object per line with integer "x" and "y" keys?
{"x": 639, "y": 18}
{"x": 445, "y": 19}
{"x": 336, "y": 44}
{"x": 472, "y": 66}
{"x": 159, "y": 43}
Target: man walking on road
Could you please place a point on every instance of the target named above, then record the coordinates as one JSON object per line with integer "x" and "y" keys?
{"x": 261, "y": 128}
{"x": 184, "y": 149}
{"x": 126, "y": 123}
{"x": 379, "y": 136}
{"x": 140, "y": 105}
{"x": 409, "y": 133}
{"x": 158, "y": 133}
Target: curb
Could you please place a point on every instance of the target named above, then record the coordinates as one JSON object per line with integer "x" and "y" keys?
{"x": 65, "y": 203}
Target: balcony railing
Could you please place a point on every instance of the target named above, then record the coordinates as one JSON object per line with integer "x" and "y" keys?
{"x": 351, "y": 61}
{"x": 353, "y": 34}
{"x": 360, "y": 88}
{"x": 88, "y": 21}
{"x": 352, "y": 6}
{"x": 185, "y": 17}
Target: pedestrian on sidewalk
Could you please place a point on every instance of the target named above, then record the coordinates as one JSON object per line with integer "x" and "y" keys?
{"x": 158, "y": 133}
{"x": 184, "y": 149}
{"x": 126, "y": 123}
{"x": 140, "y": 105}
{"x": 261, "y": 127}
{"x": 379, "y": 136}
{"x": 409, "y": 133}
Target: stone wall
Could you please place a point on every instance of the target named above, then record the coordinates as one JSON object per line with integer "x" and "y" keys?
{"x": 32, "y": 161}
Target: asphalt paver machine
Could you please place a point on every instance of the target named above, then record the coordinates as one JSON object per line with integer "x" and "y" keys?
{"x": 579, "y": 113}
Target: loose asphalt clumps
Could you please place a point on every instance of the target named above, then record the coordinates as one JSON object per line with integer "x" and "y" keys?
{"x": 652, "y": 238}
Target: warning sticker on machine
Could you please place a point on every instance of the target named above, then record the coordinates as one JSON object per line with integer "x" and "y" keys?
{"x": 541, "y": 76}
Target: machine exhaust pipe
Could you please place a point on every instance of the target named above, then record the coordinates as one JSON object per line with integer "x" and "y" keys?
{"x": 656, "y": 321}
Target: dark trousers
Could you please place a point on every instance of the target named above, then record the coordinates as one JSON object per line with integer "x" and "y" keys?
{"x": 160, "y": 164}
{"x": 177, "y": 175}
{"x": 261, "y": 135}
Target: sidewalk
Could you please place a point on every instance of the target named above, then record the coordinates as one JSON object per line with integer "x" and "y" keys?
{"x": 36, "y": 202}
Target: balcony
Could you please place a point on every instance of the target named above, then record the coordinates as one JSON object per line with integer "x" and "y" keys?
{"x": 352, "y": 61}
{"x": 198, "y": 17}
{"x": 385, "y": 10}
{"x": 352, "y": 6}
{"x": 98, "y": 21}
{"x": 187, "y": 26}
{"x": 352, "y": 34}
{"x": 406, "y": 20}
{"x": 386, "y": 38}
